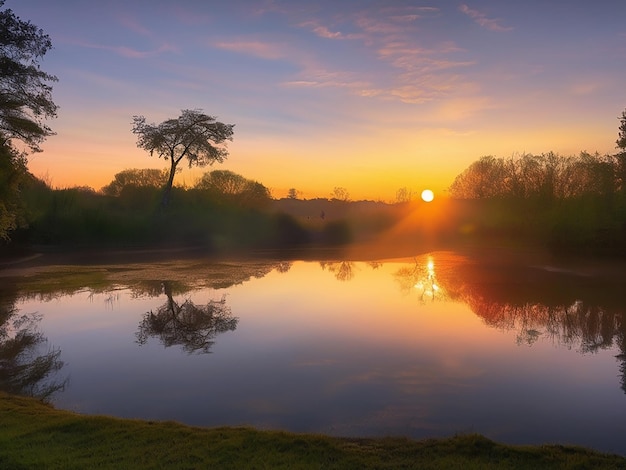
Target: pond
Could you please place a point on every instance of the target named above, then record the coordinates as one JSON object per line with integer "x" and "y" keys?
{"x": 520, "y": 350}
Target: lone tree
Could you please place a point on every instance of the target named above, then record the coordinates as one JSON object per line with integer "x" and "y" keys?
{"x": 196, "y": 136}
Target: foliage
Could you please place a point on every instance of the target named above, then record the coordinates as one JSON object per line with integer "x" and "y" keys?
{"x": 340, "y": 194}
{"x": 620, "y": 157}
{"x": 621, "y": 138}
{"x": 568, "y": 203}
{"x": 194, "y": 136}
{"x": 33, "y": 435}
{"x": 337, "y": 232}
{"x": 23, "y": 369}
{"x": 80, "y": 217}
{"x": 25, "y": 93}
{"x": 136, "y": 178}
{"x": 546, "y": 177}
{"x": 231, "y": 187}
{"x": 25, "y": 102}
{"x": 13, "y": 175}
{"x": 404, "y": 195}
{"x": 293, "y": 193}
{"x": 288, "y": 232}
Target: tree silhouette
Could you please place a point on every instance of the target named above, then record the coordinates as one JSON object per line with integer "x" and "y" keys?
{"x": 234, "y": 188}
{"x": 25, "y": 92}
{"x": 621, "y": 155}
{"x": 136, "y": 178}
{"x": 543, "y": 178}
{"x": 25, "y": 103}
{"x": 340, "y": 194}
{"x": 195, "y": 136}
{"x": 343, "y": 270}
{"x": 186, "y": 324}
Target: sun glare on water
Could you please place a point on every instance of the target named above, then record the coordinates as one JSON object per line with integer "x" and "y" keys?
{"x": 427, "y": 195}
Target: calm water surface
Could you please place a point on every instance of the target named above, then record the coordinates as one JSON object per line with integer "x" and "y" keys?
{"x": 427, "y": 346}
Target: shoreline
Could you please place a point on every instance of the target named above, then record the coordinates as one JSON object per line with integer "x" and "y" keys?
{"x": 36, "y": 435}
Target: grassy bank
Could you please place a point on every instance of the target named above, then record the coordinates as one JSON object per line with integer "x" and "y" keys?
{"x": 34, "y": 435}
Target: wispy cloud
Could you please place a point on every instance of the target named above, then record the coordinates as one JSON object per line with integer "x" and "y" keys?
{"x": 323, "y": 31}
{"x": 458, "y": 109}
{"x": 129, "y": 52}
{"x": 492, "y": 24}
{"x": 587, "y": 87}
{"x": 266, "y": 6}
{"x": 393, "y": 20}
{"x": 255, "y": 48}
{"x": 419, "y": 89}
{"x": 320, "y": 78}
{"x": 135, "y": 27}
{"x": 312, "y": 73}
{"x": 408, "y": 71}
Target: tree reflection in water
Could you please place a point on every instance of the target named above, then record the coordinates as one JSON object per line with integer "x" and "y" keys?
{"x": 23, "y": 369}
{"x": 343, "y": 270}
{"x": 421, "y": 278}
{"x": 578, "y": 312}
{"x": 588, "y": 328}
{"x": 187, "y": 324}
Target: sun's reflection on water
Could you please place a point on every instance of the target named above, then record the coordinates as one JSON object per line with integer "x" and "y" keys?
{"x": 421, "y": 278}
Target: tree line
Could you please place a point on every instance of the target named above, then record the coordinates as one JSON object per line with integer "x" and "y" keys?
{"x": 546, "y": 177}
{"x": 571, "y": 204}
{"x": 225, "y": 185}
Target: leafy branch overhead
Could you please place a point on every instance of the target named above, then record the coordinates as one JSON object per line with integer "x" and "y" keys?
{"x": 25, "y": 90}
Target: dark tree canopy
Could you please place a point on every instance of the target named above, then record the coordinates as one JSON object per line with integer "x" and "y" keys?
{"x": 25, "y": 102}
{"x": 621, "y": 155}
{"x": 12, "y": 176}
{"x": 234, "y": 188}
{"x": 136, "y": 178}
{"x": 621, "y": 138}
{"x": 194, "y": 136}
{"x": 25, "y": 92}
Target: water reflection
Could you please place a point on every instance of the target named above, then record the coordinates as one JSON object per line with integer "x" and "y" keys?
{"x": 570, "y": 308}
{"x": 343, "y": 270}
{"x": 186, "y": 324}
{"x": 24, "y": 368}
{"x": 433, "y": 345}
{"x": 421, "y": 278}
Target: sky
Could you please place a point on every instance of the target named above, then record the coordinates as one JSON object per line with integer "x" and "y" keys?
{"x": 368, "y": 95}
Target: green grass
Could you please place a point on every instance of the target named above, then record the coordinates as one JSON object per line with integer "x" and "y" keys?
{"x": 35, "y": 435}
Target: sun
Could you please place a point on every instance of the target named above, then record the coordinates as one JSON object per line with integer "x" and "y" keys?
{"x": 427, "y": 195}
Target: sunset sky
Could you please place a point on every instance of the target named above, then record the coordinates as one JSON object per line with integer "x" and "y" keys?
{"x": 368, "y": 95}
